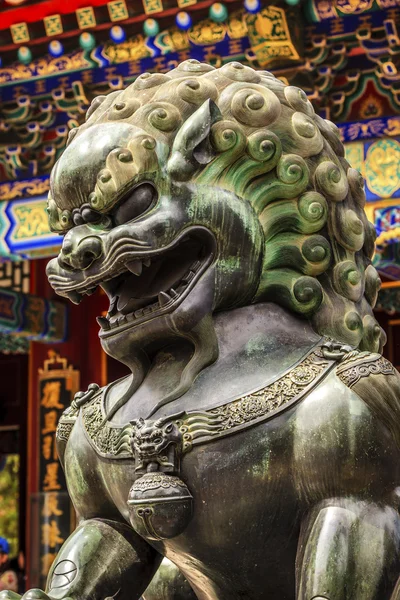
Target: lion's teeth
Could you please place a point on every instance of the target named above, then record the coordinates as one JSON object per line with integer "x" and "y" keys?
{"x": 103, "y": 322}
{"x": 173, "y": 293}
{"x": 74, "y": 296}
{"x": 147, "y": 262}
{"x": 196, "y": 265}
{"x": 188, "y": 277}
{"x": 122, "y": 302}
{"x": 135, "y": 267}
{"x": 163, "y": 298}
{"x": 113, "y": 307}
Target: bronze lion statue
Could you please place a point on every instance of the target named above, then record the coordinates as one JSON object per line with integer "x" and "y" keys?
{"x": 256, "y": 443}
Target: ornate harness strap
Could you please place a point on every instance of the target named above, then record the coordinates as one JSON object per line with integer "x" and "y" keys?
{"x": 356, "y": 365}
{"x": 263, "y": 404}
{"x": 196, "y": 427}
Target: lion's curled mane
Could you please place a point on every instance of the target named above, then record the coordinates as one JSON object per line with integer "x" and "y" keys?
{"x": 272, "y": 150}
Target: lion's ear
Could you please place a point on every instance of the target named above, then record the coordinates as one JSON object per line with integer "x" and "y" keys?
{"x": 192, "y": 148}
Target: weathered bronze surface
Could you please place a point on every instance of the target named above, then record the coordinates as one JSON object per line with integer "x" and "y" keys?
{"x": 256, "y": 444}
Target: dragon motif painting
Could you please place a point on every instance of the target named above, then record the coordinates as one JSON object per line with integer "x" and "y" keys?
{"x": 256, "y": 443}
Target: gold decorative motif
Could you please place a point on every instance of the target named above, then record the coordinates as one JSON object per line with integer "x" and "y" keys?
{"x": 196, "y": 427}
{"x": 53, "y": 25}
{"x": 85, "y": 17}
{"x": 19, "y": 189}
{"x": 186, "y": 3}
{"x": 393, "y": 126}
{"x": 32, "y": 220}
{"x": 43, "y": 67}
{"x": 207, "y": 32}
{"x": 236, "y": 26}
{"x": 20, "y": 33}
{"x": 179, "y": 39}
{"x": 387, "y": 3}
{"x": 357, "y": 365}
{"x": 117, "y": 10}
{"x": 152, "y": 6}
{"x": 131, "y": 50}
{"x": 382, "y": 167}
{"x": 269, "y": 35}
{"x": 354, "y": 153}
{"x": 325, "y": 9}
{"x": 35, "y": 315}
{"x": 351, "y": 7}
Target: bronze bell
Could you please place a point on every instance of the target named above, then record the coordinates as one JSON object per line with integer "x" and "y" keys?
{"x": 160, "y": 505}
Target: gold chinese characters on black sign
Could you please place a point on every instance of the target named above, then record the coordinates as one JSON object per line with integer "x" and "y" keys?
{"x": 58, "y": 384}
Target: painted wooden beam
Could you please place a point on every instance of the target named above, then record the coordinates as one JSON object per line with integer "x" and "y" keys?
{"x": 32, "y": 317}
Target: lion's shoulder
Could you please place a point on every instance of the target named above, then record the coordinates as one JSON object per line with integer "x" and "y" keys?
{"x": 377, "y": 382}
{"x": 69, "y": 416}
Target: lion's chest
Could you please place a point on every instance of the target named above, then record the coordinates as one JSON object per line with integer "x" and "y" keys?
{"x": 169, "y": 495}
{"x": 161, "y": 472}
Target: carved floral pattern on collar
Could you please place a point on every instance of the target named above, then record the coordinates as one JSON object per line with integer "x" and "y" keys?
{"x": 151, "y": 440}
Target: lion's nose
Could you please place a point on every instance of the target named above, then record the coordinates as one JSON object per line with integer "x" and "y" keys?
{"x": 81, "y": 255}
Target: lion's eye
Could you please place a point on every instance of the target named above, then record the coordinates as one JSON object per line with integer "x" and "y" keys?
{"x": 135, "y": 204}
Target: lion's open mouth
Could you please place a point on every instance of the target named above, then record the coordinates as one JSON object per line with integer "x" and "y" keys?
{"x": 153, "y": 285}
{"x": 141, "y": 282}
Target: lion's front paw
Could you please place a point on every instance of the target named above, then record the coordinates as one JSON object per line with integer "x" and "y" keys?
{"x": 8, "y": 595}
{"x": 35, "y": 594}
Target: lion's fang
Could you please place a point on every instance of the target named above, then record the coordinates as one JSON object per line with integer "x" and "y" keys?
{"x": 135, "y": 267}
{"x": 163, "y": 298}
{"x": 74, "y": 296}
{"x": 103, "y": 322}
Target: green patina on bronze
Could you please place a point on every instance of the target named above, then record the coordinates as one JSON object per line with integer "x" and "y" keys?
{"x": 256, "y": 443}
{"x": 262, "y": 141}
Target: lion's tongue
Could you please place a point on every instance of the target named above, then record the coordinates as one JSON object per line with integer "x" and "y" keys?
{"x": 128, "y": 289}
{"x": 128, "y": 300}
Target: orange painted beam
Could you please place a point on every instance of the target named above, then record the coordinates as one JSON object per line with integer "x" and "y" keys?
{"x": 390, "y": 284}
